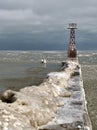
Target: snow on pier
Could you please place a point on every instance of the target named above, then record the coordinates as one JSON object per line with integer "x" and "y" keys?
{"x": 56, "y": 104}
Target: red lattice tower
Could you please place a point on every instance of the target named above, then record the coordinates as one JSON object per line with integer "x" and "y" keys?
{"x": 72, "y": 51}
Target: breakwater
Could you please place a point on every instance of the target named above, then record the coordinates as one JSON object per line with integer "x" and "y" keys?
{"x": 56, "y": 104}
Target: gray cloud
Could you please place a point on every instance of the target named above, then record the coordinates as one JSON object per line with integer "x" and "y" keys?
{"x": 47, "y": 13}
{"x": 30, "y": 17}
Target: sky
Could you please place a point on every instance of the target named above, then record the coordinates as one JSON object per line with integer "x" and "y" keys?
{"x": 42, "y": 24}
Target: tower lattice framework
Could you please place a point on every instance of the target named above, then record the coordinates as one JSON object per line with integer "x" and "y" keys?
{"x": 72, "y": 51}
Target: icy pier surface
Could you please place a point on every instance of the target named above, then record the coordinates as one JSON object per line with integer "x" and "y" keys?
{"x": 57, "y": 104}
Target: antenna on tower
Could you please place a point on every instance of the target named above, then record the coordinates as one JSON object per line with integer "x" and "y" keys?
{"x": 72, "y": 51}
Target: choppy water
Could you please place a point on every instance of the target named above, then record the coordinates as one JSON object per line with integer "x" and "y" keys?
{"x": 23, "y": 68}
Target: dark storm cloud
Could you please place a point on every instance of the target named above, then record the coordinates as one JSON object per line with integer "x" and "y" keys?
{"x": 29, "y": 18}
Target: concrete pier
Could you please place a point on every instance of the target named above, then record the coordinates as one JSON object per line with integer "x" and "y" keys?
{"x": 74, "y": 114}
{"x": 58, "y": 103}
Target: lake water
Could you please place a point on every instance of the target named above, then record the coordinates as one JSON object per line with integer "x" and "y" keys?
{"x": 23, "y": 68}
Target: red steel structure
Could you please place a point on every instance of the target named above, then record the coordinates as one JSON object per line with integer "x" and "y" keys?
{"x": 72, "y": 51}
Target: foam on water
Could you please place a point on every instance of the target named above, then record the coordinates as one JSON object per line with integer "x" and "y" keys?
{"x": 20, "y": 66}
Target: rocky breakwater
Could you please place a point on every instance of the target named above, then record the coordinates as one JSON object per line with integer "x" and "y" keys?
{"x": 56, "y": 104}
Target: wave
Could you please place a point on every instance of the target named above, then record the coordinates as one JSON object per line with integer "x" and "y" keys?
{"x": 84, "y": 55}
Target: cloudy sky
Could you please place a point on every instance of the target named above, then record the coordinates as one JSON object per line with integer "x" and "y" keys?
{"x": 42, "y": 24}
